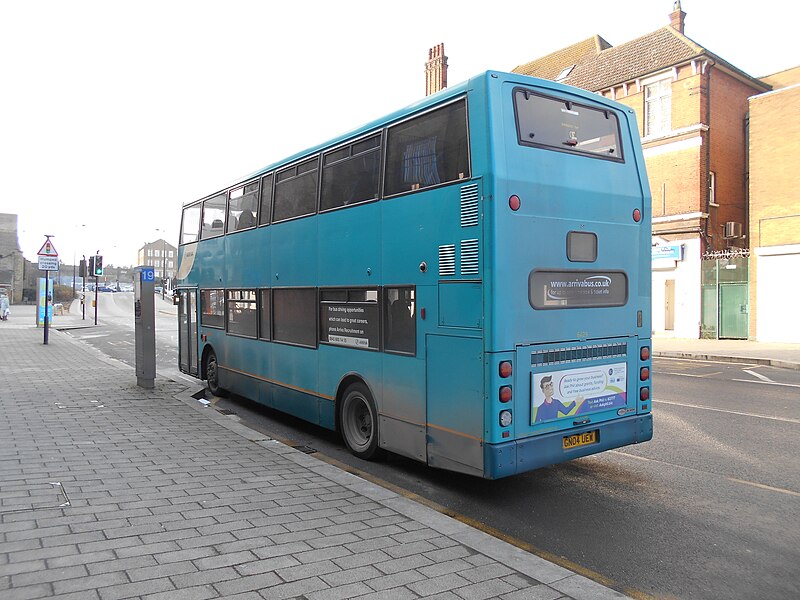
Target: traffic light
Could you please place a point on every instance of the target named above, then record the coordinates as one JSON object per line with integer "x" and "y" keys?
{"x": 82, "y": 268}
{"x": 91, "y": 265}
{"x": 98, "y": 266}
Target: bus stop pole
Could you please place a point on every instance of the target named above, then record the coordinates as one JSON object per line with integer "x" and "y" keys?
{"x": 46, "y": 307}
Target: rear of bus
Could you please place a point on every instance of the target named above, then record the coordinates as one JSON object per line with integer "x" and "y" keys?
{"x": 568, "y": 295}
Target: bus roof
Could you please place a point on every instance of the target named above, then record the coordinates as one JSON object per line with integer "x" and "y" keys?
{"x": 426, "y": 102}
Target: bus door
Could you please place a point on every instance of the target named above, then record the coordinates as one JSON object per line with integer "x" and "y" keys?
{"x": 187, "y": 331}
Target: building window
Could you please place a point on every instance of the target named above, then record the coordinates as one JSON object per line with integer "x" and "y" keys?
{"x": 565, "y": 73}
{"x": 658, "y": 107}
{"x": 712, "y": 189}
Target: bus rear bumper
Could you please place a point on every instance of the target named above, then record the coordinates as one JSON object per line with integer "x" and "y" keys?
{"x": 511, "y": 458}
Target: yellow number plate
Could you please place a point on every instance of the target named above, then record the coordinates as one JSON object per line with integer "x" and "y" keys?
{"x": 581, "y": 439}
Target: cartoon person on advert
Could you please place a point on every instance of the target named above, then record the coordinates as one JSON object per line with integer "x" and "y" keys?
{"x": 551, "y": 407}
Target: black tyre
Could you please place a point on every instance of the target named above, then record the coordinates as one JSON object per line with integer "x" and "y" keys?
{"x": 358, "y": 422}
{"x": 212, "y": 375}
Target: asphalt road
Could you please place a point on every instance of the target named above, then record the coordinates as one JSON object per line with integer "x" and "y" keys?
{"x": 708, "y": 509}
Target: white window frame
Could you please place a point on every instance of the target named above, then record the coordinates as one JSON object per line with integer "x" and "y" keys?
{"x": 662, "y": 102}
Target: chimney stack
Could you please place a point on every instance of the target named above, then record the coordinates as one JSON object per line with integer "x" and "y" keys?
{"x": 677, "y": 17}
{"x": 435, "y": 70}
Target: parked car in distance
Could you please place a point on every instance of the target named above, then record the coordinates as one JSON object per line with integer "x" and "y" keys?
{"x": 105, "y": 288}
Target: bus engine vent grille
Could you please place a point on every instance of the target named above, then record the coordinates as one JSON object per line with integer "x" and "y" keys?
{"x": 447, "y": 260}
{"x": 591, "y": 352}
{"x": 469, "y": 205}
{"x": 469, "y": 257}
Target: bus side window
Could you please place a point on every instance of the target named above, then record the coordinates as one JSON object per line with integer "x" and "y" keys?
{"x": 213, "y": 217}
{"x": 400, "y": 332}
{"x": 428, "y": 150}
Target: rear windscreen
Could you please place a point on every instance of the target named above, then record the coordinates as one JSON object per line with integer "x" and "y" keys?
{"x": 559, "y": 124}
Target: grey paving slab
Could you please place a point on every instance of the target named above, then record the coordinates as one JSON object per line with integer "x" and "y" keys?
{"x": 109, "y": 491}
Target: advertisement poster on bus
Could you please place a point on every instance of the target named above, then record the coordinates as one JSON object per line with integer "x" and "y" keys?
{"x": 350, "y": 324}
{"x": 567, "y": 393}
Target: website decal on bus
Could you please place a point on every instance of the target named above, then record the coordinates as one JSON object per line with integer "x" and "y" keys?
{"x": 572, "y": 392}
{"x": 577, "y": 289}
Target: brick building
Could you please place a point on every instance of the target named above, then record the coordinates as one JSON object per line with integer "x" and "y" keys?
{"x": 774, "y": 219}
{"x": 692, "y": 108}
{"x": 12, "y": 263}
{"x": 160, "y": 255}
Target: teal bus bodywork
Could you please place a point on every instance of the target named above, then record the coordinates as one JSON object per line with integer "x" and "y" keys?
{"x": 534, "y": 260}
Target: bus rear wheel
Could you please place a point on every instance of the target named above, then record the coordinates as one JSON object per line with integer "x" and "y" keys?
{"x": 358, "y": 420}
{"x": 212, "y": 375}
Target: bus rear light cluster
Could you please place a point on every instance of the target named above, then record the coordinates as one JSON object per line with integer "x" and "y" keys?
{"x": 644, "y": 377}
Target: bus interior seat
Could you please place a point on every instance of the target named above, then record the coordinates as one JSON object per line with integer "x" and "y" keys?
{"x": 401, "y": 323}
{"x": 248, "y": 216}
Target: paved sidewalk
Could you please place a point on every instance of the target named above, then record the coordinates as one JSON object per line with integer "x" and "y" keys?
{"x": 786, "y": 356}
{"x": 109, "y": 491}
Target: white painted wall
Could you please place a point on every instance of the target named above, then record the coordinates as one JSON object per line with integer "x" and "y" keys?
{"x": 778, "y": 294}
{"x": 686, "y": 274}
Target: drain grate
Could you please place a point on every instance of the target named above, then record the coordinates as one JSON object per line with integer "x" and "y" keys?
{"x": 225, "y": 411}
{"x": 199, "y": 395}
{"x": 305, "y": 449}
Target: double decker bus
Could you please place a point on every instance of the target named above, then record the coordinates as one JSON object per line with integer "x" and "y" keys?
{"x": 465, "y": 282}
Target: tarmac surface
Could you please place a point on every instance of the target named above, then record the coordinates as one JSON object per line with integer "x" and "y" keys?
{"x": 111, "y": 491}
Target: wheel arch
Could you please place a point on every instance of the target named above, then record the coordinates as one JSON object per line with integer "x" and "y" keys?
{"x": 346, "y": 381}
{"x": 207, "y": 349}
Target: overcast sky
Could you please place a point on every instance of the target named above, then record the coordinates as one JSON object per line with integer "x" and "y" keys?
{"x": 114, "y": 114}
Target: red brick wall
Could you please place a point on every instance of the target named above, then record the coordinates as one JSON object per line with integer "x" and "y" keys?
{"x": 729, "y": 105}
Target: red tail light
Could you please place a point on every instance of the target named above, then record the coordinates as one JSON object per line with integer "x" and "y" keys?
{"x": 514, "y": 202}
{"x": 644, "y": 374}
{"x": 505, "y": 369}
{"x": 644, "y": 394}
{"x": 637, "y": 215}
{"x": 505, "y": 393}
{"x": 644, "y": 353}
